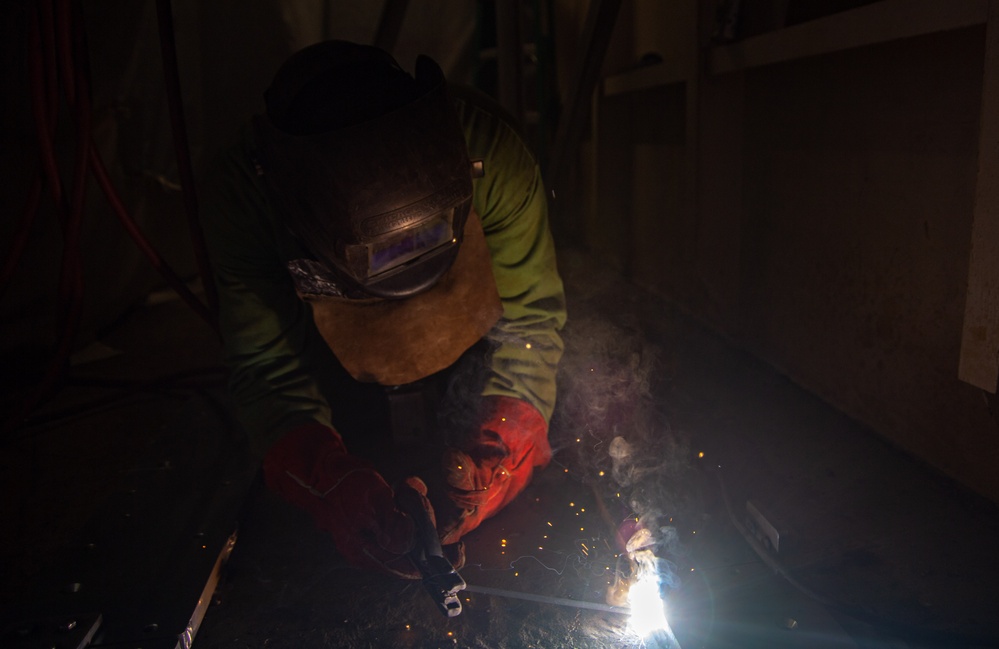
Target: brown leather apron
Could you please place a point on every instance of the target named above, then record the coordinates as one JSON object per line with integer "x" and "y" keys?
{"x": 393, "y": 342}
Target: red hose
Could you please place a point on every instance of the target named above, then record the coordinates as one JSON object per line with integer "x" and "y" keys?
{"x": 77, "y": 91}
{"x": 57, "y": 50}
{"x": 44, "y": 96}
{"x": 40, "y": 108}
{"x": 49, "y": 56}
{"x": 20, "y": 241}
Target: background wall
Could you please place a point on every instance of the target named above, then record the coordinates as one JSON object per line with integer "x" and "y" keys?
{"x": 817, "y": 205}
{"x": 818, "y": 211}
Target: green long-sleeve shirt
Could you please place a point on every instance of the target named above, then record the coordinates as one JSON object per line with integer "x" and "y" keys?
{"x": 272, "y": 346}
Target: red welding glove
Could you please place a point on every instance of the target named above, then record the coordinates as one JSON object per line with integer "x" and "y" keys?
{"x": 494, "y": 462}
{"x": 310, "y": 468}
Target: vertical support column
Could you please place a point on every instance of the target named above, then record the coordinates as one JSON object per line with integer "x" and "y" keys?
{"x": 390, "y": 23}
{"x": 510, "y": 57}
{"x": 689, "y": 16}
{"x": 979, "y": 364}
{"x": 600, "y": 20}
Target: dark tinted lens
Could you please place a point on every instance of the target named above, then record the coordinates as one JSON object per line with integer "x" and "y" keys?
{"x": 385, "y": 256}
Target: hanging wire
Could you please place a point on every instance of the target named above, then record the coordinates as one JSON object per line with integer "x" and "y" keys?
{"x": 57, "y": 58}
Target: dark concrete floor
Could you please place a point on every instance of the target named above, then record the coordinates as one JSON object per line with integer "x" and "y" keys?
{"x": 122, "y": 494}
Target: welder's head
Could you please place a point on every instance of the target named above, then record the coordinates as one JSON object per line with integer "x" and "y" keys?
{"x": 369, "y": 165}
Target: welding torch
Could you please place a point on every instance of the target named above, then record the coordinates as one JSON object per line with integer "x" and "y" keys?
{"x": 440, "y": 578}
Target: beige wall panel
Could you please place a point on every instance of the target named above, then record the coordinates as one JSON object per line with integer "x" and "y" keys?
{"x": 859, "y": 175}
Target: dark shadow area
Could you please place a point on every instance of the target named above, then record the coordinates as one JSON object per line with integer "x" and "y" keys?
{"x": 123, "y": 494}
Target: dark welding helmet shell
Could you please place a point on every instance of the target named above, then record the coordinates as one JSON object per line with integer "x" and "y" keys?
{"x": 381, "y": 202}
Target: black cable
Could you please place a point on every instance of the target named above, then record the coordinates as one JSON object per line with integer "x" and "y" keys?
{"x": 126, "y": 389}
{"x": 171, "y": 79}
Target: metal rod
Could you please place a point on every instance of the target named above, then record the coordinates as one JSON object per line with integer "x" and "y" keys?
{"x": 544, "y": 599}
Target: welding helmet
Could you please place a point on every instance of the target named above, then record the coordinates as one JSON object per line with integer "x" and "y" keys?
{"x": 369, "y": 167}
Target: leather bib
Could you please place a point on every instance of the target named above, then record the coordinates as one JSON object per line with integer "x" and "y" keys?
{"x": 393, "y": 342}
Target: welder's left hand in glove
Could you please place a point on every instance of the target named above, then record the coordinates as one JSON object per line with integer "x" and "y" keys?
{"x": 493, "y": 462}
{"x": 310, "y": 468}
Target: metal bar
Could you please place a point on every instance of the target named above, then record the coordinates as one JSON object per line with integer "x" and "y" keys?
{"x": 596, "y": 35}
{"x": 544, "y": 599}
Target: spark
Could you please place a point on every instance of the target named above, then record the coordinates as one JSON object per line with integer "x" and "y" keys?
{"x": 528, "y": 345}
{"x": 601, "y": 474}
{"x": 701, "y": 454}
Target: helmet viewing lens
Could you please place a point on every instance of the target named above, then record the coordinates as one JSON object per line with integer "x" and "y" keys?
{"x": 388, "y": 255}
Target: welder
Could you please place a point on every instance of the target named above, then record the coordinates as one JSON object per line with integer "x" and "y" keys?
{"x": 375, "y": 229}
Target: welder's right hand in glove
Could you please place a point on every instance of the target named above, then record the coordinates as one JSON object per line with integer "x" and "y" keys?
{"x": 310, "y": 468}
{"x": 492, "y": 463}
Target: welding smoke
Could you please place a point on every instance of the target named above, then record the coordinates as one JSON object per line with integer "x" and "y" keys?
{"x": 607, "y": 426}
{"x": 620, "y": 453}
{"x": 611, "y": 427}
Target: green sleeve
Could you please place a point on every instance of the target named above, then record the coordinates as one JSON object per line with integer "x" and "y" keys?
{"x": 510, "y": 200}
{"x": 269, "y": 339}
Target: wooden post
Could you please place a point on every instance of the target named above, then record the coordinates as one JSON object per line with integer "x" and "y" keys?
{"x": 979, "y": 363}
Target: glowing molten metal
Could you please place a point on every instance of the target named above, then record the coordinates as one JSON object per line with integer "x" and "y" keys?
{"x": 648, "y": 614}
